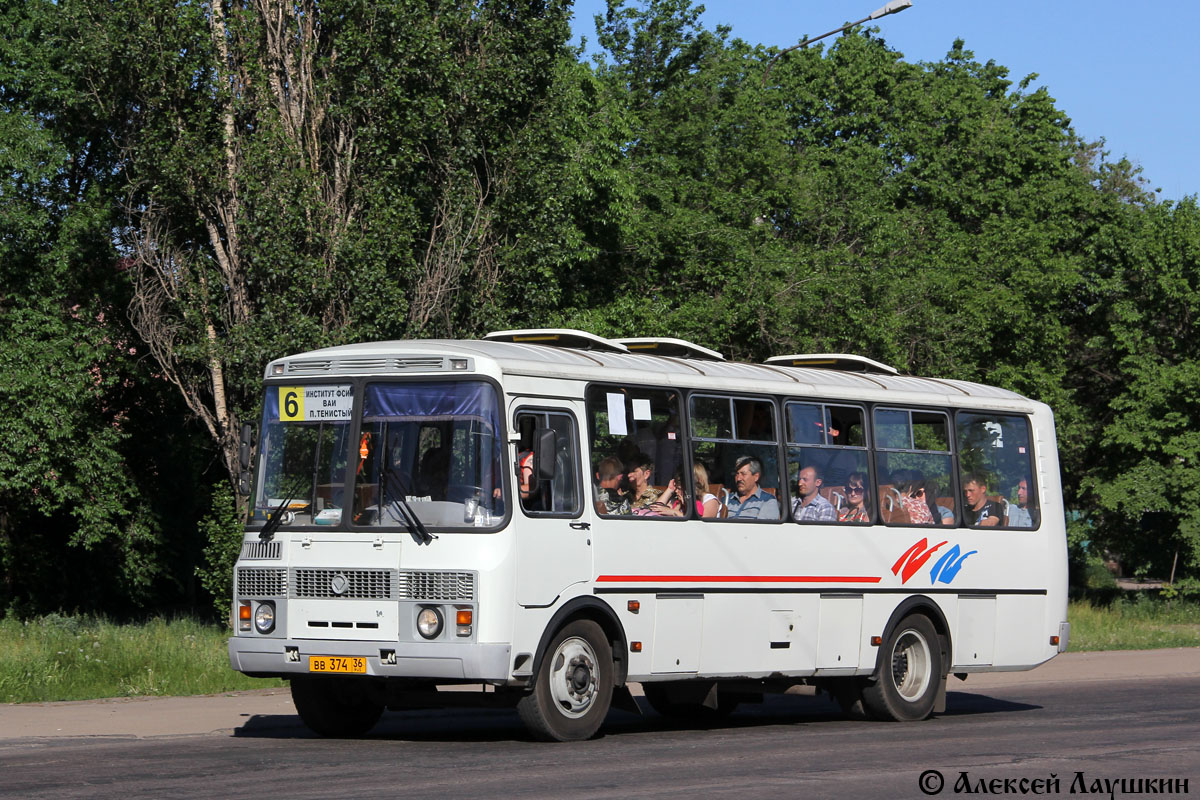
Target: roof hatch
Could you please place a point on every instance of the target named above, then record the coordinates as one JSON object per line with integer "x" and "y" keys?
{"x": 838, "y": 361}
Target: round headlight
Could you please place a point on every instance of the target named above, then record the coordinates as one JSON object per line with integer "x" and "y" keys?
{"x": 429, "y": 622}
{"x": 264, "y": 617}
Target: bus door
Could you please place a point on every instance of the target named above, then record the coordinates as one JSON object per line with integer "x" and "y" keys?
{"x": 552, "y": 533}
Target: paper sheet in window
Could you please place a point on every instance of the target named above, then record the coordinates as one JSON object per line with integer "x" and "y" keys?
{"x": 616, "y": 414}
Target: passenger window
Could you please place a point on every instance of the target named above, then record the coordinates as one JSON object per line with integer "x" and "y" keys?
{"x": 553, "y": 496}
{"x": 637, "y": 447}
{"x": 827, "y": 464}
{"x": 735, "y": 458}
{"x": 996, "y": 464}
{"x": 914, "y": 482}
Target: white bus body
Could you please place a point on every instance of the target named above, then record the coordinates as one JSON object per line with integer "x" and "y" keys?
{"x": 557, "y": 607}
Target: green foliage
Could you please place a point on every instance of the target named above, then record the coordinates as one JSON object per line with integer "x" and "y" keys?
{"x": 1134, "y": 623}
{"x": 221, "y": 531}
{"x": 59, "y": 657}
{"x": 192, "y": 189}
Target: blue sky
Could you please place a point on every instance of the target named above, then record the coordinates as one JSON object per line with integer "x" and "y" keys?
{"x": 1125, "y": 71}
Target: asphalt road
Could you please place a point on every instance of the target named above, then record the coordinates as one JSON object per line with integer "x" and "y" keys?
{"x": 1107, "y": 728}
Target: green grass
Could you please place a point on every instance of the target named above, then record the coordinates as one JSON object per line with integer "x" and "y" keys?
{"x": 1138, "y": 624}
{"x": 80, "y": 658}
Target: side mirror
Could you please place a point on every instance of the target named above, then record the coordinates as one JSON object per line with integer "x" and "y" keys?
{"x": 544, "y": 449}
{"x": 244, "y": 448}
{"x": 243, "y": 483}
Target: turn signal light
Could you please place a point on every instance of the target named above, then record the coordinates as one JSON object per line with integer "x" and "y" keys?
{"x": 244, "y": 617}
{"x": 634, "y": 606}
{"x": 635, "y": 647}
{"x": 1054, "y": 641}
{"x": 463, "y": 617}
{"x": 876, "y": 641}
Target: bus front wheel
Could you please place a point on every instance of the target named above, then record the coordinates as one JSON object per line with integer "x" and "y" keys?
{"x": 574, "y": 685}
{"x": 910, "y": 673}
{"x": 336, "y": 707}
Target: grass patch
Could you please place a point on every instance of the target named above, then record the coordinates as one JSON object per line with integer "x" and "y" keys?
{"x": 80, "y": 658}
{"x": 1140, "y": 623}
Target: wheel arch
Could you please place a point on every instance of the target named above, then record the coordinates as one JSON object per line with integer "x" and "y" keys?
{"x": 596, "y": 610}
{"x": 923, "y": 605}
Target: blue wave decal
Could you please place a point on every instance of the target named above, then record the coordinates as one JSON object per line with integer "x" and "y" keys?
{"x": 947, "y": 567}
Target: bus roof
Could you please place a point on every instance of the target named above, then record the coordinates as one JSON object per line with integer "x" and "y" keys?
{"x": 839, "y": 376}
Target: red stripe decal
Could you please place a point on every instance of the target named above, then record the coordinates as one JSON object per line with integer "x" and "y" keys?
{"x": 737, "y": 579}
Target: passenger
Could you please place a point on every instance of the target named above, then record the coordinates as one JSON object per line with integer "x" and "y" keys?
{"x": 608, "y": 491}
{"x": 980, "y": 510}
{"x": 707, "y": 504}
{"x": 751, "y": 502}
{"x": 671, "y": 503}
{"x": 642, "y": 493}
{"x": 912, "y": 497}
{"x": 857, "y": 508}
{"x": 939, "y": 512}
{"x": 810, "y": 505}
{"x": 1020, "y": 515}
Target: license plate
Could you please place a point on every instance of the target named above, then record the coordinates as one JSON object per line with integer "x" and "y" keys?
{"x": 337, "y": 664}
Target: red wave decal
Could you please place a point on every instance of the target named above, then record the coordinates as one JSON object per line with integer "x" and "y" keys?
{"x": 912, "y": 562}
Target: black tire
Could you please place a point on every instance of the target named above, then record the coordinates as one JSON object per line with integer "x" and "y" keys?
{"x": 574, "y": 685}
{"x": 340, "y": 708}
{"x": 659, "y": 696}
{"x": 910, "y": 673}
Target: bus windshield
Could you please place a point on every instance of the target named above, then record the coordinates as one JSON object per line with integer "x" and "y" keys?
{"x": 305, "y": 446}
{"x": 436, "y": 445}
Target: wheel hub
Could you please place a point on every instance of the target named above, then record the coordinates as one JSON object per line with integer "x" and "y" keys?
{"x": 573, "y": 677}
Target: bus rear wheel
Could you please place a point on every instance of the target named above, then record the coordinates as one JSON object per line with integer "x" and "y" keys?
{"x": 574, "y": 685}
{"x": 339, "y": 708}
{"x": 910, "y": 673}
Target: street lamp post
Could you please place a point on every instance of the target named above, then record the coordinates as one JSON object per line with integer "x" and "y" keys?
{"x": 893, "y": 7}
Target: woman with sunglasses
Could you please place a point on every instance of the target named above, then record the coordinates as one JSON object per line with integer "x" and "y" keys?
{"x": 857, "y": 508}
{"x": 912, "y": 497}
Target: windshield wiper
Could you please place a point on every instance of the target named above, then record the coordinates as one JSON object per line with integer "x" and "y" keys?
{"x": 273, "y": 521}
{"x": 407, "y": 515}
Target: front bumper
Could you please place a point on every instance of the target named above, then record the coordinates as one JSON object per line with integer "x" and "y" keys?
{"x": 466, "y": 661}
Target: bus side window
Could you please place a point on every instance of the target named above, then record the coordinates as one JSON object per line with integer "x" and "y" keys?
{"x": 995, "y": 461}
{"x": 913, "y": 466}
{"x": 540, "y": 495}
{"x": 637, "y": 453}
{"x": 827, "y": 464}
{"x": 734, "y": 440}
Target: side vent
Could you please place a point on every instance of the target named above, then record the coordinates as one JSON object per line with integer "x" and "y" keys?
{"x": 420, "y": 363}
{"x": 310, "y": 367}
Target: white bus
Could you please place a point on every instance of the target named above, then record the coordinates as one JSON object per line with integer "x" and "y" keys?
{"x": 496, "y": 513}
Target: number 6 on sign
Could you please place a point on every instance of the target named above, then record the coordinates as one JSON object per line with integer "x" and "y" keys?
{"x": 291, "y": 403}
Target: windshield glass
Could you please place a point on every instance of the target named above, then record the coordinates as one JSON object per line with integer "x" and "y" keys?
{"x": 436, "y": 444}
{"x": 304, "y": 446}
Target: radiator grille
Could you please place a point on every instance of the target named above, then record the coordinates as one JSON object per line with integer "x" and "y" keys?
{"x": 449, "y": 586}
{"x": 357, "y": 584}
{"x": 261, "y": 550}
{"x": 253, "y": 582}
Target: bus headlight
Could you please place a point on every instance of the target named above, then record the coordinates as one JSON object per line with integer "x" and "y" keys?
{"x": 429, "y": 622}
{"x": 264, "y": 617}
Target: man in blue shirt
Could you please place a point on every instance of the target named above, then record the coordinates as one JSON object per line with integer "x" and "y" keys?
{"x": 751, "y": 502}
